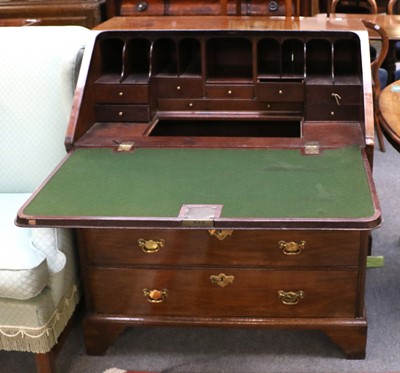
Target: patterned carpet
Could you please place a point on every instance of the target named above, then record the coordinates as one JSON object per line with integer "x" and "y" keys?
{"x": 116, "y": 370}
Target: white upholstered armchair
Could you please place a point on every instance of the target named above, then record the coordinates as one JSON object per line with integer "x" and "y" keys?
{"x": 38, "y": 268}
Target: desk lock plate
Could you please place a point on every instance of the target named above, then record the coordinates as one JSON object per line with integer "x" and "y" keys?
{"x": 199, "y": 215}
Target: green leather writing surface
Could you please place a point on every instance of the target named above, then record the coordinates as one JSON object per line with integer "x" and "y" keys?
{"x": 249, "y": 183}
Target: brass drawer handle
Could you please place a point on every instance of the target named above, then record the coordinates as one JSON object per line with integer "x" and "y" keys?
{"x": 290, "y": 298}
{"x": 292, "y": 248}
{"x": 150, "y": 246}
{"x": 222, "y": 279}
{"x": 221, "y": 234}
{"x": 155, "y": 296}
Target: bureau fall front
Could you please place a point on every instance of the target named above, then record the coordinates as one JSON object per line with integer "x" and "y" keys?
{"x": 219, "y": 174}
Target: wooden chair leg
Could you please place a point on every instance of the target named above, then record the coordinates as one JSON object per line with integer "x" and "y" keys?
{"x": 46, "y": 363}
{"x": 379, "y": 134}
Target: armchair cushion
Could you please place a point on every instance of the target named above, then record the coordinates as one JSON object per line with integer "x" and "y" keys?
{"x": 28, "y": 257}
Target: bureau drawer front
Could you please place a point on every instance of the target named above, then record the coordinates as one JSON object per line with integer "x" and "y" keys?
{"x": 178, "y": 87}
{"x": 344, "y": 95}
{"x": 248, "y": 292}
{"x": 230, "y": 91}
{"x": 228, "y": 105}
{"x": 121, "y": 93}
{"x": 241, "y": 248}
{"x": 333, "y": 112}
{"x": 122, "y": 113}
{"x": 278, "y": 92}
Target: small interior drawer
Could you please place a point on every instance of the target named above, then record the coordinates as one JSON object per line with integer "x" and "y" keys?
{"x": 280, "y": 91}
{"x": 178, "y": 87}
{"x": 229, "y": 91}
{"x": 122, "y": 113}
{"x": 333, "y": 112}
{"x": 121, "y": 93}
{"x": 337, "y": 95}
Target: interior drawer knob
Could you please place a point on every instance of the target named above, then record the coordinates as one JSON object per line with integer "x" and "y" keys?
{"x": 150, "y": 246}
{"x": 290, "y": 298}
{"x": 141, "y": 6}
{"x": 221, "y": 234}
{"x": 222, "y": 279}
{"x": 155, "y": 296}
{"x": 292, "y": 248}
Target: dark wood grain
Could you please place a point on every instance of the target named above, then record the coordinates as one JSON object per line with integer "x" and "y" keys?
{"x": 223, "y": 82}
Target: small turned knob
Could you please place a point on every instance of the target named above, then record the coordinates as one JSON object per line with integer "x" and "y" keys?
{"x": 273, "y": 6}
{"x": 141, "y": 6}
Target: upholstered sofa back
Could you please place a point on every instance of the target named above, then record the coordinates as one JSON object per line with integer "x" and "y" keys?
{"x": 31, "y": 133}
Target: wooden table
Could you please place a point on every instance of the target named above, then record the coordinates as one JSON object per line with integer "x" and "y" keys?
{"x": 389, "y": 106}
{"x": 390, "y": 22}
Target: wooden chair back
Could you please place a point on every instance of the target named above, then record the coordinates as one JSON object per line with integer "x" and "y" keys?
{"x": 391, "y": 9}
{"x": 354, "y": 6}
{"x": 376, "y": 64}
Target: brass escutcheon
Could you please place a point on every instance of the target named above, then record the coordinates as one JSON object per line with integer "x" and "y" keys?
{"x": 150, "y": 246}
{"x": 290, "y": 298}
{"x": 222, "y": 279}
{"x": 155, "y": 296}
{"x": 221, "y": 234}
{"x": 292, "y": 248}
{"x": 337, "y": 98}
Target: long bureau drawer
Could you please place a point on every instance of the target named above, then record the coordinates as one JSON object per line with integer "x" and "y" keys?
{"x": 223, "y": 292}
{"x": 238, "y": 248}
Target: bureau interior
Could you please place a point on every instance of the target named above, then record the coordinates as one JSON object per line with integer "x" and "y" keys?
{"x": 241, "y": 83}
{"x": 226, "y": 128}
{"x": 130, "y": 54}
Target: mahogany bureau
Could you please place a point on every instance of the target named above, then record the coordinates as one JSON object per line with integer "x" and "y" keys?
{"x": 219, "y": 174}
